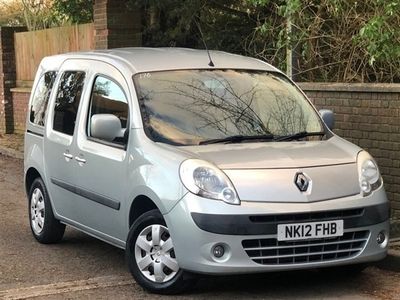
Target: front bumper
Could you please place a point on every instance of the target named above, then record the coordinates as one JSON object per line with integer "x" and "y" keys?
{"x": 197, "y": 225}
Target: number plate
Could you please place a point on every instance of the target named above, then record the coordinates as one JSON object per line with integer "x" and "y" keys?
{"x": 302, "y": 231}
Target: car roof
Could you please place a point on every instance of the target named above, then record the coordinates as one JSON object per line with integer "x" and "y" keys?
{"x": 141, "y": 59}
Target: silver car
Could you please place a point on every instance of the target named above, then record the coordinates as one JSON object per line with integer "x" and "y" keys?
{"x": 196, "y": 164}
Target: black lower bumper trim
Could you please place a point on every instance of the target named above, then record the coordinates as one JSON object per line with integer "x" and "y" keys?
{"x": 245, "y": 224}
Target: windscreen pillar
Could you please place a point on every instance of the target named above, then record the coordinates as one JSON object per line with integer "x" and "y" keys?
{"x": 117, "y": 24}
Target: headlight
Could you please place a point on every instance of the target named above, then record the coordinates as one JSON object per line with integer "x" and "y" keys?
{"x": 370, "y": 178}
{"x": 204, "y": 179}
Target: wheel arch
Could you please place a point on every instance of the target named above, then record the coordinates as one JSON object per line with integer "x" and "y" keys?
{"x": 140, "y": 205}
{"x": 30, "y": 176}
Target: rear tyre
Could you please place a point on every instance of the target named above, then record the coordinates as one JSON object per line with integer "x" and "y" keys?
{"x": 151, "y": 257}
{"x": 45, "y": 228}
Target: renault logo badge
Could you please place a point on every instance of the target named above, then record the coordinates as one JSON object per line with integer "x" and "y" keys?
{"x": 302, "y": 181}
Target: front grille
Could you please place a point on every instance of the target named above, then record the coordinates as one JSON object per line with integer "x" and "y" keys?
{"x": 273, "y": 252}
{"x": 307, "y": 217}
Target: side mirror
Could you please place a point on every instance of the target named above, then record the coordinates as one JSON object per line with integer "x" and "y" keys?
{"x": 105, "y": 127}
{"x": 328, "y": 117}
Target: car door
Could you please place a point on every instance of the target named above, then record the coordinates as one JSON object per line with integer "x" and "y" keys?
{"x": 59, "y": 136}
{"x": 100, "y": 167}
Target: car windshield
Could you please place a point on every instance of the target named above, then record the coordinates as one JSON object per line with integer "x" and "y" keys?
{"x": 190, "y": 107}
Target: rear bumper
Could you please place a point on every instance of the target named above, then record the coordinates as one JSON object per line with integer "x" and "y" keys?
{"x": 197, "y": 225}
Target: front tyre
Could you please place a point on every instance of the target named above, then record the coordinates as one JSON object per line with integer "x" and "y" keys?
{"x": 45, "y": 227}
{"x": 151, "y": 257}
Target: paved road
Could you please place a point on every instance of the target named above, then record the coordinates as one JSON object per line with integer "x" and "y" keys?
{"x": 82, "y": 267}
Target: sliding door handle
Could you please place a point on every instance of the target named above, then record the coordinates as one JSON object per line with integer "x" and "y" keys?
{"x": 80, "y": 160}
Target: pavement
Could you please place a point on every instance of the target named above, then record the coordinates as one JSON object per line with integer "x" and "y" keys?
{"x": 12, "y": 145}
{"x": 82, "y": 267}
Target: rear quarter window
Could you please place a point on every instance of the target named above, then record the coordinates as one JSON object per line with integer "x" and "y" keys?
{"x": 41, "y": 97}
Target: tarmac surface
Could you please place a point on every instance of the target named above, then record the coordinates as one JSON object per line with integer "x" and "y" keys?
{"x": 81, "y": 267}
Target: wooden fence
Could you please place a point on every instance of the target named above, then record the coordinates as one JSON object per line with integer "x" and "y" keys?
{"x": 31, "y": 47}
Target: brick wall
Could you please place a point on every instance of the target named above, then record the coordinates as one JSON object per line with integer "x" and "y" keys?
{"x": 20, "y": 99}
{"x": 369, "y": 116}
{"x": 7, "y": 77}
{"x": 116, "y": 25}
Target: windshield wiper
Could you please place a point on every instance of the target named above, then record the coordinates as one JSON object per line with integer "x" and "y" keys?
{"x": 238, "y": 139}
{"x": 298, "y": 135}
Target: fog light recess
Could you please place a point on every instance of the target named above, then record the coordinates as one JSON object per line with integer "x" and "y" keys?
{"x": 381, "y": 239}
{"x": 218, "y": 251}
